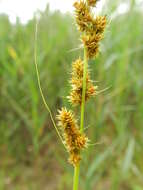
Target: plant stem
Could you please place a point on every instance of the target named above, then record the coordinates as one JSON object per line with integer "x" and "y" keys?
{"x": 40, "y": 88}
{"x": 77, "y": 168}
{"x": 83, "y": 91}
{"x": 76, "y": 177}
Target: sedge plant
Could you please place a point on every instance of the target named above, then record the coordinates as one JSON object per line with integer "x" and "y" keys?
{"x": 70, "y": 132}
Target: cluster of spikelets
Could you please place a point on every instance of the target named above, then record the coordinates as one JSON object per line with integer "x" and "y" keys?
{"x": 75, "y": 141}
{"x": 76, "y": 82}
{"x": 93, "y": 28}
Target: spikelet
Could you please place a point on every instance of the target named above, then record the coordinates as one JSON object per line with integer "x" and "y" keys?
{"x": 83, "y": 16}
{"x": 74, "y": 140}
{"x": 99, "y": 24}
{"x": 93, "y": 28}
{"x": 92, "y": 3}
{"x": 91, "y": 42}
{"x": 76, "y": 83}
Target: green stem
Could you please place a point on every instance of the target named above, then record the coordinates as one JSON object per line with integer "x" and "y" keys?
{"x": 83, "y": 91}
{"x": 40, "y": 88}
{"x": 77, "y": 168}
{"x": 76, "y": 177}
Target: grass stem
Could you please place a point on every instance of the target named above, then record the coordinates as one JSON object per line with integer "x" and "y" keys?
{"x": 83, "y": 91}
{"x": 77, "y": 168}
{"x": 40, "y": 88}
{"x": 76, "y": 177}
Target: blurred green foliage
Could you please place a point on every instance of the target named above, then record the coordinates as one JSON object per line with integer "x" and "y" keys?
{"x": 28, "y": 142}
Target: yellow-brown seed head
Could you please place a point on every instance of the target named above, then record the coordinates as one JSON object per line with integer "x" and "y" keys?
{"x": 91, "y": 42}
{"x": 93, "y": 28}
{"x": 74, "y": 158}
{"x": 99, "y": 24}
{"x": 66, "y": 119}
{"x": 76, "y": 83}
{"x": 75, "y": 141}
{"x": 77, "y": 68}
{"x": 83, "y": 16}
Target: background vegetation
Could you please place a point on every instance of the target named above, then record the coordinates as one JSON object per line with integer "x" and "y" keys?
{"x": 31, "y": 155}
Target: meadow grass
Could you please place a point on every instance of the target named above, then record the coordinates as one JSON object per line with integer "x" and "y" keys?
{"x": 115, "y": 116}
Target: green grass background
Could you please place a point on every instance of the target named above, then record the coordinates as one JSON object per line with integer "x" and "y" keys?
{"x": 31, "y": 155}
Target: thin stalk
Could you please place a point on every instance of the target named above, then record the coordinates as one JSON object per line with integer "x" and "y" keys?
{"x": 77, "y": 168}
{"x": 76, "y": 177}
{"x": 40, "y": 88}
{"x": 83, "y": 91}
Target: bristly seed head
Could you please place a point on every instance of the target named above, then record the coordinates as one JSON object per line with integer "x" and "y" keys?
{"x": 99, "y": 24}
{"x": 83, "y": 16}
{"x": 93, "y": 28}
{"x": 91, "y": 43}
{"x": 75, "y": 141}
{"x": 76, "y": 83}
